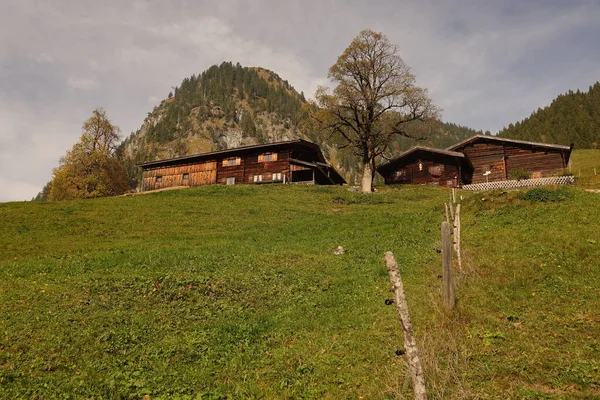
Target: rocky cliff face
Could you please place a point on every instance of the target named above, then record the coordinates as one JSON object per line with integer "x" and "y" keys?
{"x": 224, "y": 107}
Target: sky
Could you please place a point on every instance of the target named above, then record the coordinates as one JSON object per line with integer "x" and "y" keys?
{"x": 485, "y": 63}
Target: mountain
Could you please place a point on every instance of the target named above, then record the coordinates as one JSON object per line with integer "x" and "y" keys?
{"x": 229, "y": 106}
{"x": 444, "y": 135}
{"x": 573, "y": 117}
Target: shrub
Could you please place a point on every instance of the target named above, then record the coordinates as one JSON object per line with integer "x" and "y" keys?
{"x": 544, "y": 195}
{"x": 518, "y": 174}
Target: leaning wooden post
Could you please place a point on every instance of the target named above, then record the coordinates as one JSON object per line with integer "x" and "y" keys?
{"x": 451, "y": 211}
{"x": 412, "y": 352}
{"x": 457, "y": 236}
{"x": 448, "y": 283}
{"x": 453, "y": 195}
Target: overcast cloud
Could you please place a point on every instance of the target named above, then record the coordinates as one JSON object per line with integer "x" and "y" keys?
{"x": 485, "y": 65}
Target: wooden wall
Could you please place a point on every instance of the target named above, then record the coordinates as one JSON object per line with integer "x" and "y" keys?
{"x": 202, "y": 173}
{"x": 412, "y": 174}
{"x": 539, "y": 163}
{"x": 216, "y": 171}
{"x": 486, "y": 157}
{"x": 500, "y": 159}
{"x": 250, "y": 166}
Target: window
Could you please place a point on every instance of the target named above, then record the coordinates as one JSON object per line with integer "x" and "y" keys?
{"x": 230, "y": 180}
{"x": 231, "y": 161}
{"x": 159, "y": 178}
{"x": 257, "y": 178}
{"x": 436, "y": 170}
{"x": 267, "y": 157}
{"x": 400, "y": 174}
{"x": 186, "y": 176}
{"x": 276, "y": 176}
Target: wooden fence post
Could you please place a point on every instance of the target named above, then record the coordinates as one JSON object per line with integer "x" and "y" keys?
{"x": 451, "y": 211}
{"x": 453, "y": 195}
{"x": 448, "y": 283}
{"x": 457, "y": 236}
{"x": 447, "y": 217}
{"x": 454, "y": 228}
{"x": 410, "y": 345}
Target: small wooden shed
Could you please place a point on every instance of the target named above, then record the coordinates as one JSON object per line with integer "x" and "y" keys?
{"x": 494, "y": 158}
{"x": 424, "y": 165}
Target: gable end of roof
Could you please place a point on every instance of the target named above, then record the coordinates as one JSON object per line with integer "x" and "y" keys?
{"x": 505, "y": 140}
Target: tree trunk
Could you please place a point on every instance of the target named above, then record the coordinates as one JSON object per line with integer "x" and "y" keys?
{"x": 366, "y": 185}
{"x": 373, "y": 172}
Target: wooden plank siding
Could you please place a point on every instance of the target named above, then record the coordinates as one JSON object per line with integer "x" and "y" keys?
{"x": 476, "y": 160}
{"x": 412, "y": 174}
{"x": 540, "y": 163}
{"x": 272, "y": 162}
{"x": 486, "y": 157}
{"x": 214, "y": 171}
{"x": 501, "y": 160}
{"x": 251, "y": 166}
{"x": 202, "y": 173}
{"x": 425, "y": 167}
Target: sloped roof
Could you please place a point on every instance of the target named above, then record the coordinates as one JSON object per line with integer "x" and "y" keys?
{"x": 237, "y": 150}
{"x": 420, "y": 148}
{"x": 505, "y": 140}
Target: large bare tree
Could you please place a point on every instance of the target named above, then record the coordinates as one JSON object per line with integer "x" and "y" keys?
{"x": 375, "y": 98}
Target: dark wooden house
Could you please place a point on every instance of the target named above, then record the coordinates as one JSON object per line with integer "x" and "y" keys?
{"x": 476, "y": 160}
{"x": 494, "y": 158}
{"x": 295, "y": 161}
{"x": 423, "y": 165}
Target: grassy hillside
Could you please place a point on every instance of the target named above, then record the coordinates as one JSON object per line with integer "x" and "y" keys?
{"x": 234, "y": 292}
{"x": 583, "y": 163}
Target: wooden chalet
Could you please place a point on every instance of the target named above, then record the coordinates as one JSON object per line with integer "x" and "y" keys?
{"x": 424, "y": 165}
{"x": 295, "y": 161}
{"x": 493, "y": 158}
{"x": 476, "y": 160}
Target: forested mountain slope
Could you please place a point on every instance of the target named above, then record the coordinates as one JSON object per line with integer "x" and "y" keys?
{"x": 573, "y": 117}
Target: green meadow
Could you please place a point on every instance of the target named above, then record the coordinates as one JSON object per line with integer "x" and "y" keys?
{"x": 234, "y": 292}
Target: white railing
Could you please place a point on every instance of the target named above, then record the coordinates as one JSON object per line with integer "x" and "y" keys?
{"x": 524, "y": 183}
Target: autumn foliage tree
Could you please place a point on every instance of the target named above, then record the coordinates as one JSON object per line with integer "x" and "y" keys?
{"x": 375, "y": 99}
{"x": 90, "y": 168}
